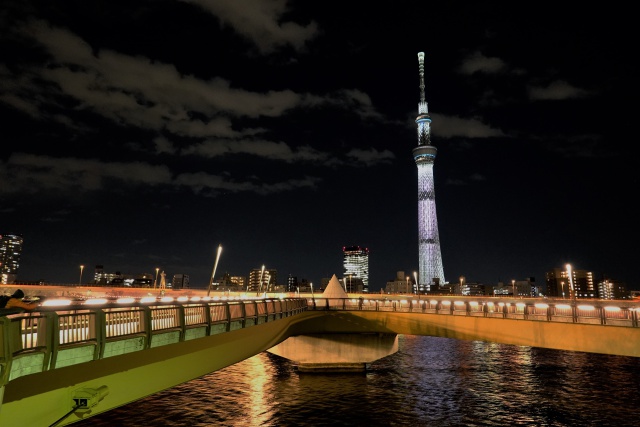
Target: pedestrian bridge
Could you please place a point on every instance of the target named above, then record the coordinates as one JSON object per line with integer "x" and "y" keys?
{"x": 73, "y": 359}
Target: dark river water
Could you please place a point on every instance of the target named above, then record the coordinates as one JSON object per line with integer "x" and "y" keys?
{"x": 429, "y": 382}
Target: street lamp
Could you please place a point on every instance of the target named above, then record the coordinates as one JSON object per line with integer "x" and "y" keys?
{"x": 572, "y": 291}
{"x": 311, "y": 283}
{"x": 513, "y": 283}
{"x": 81, "y": 268}
{"x": 261, "y": 276}
{"x": 562, "y": 284}
{"x": 155, "y": 282}
{"x": 415, "y": 276}
{"x": 408, "y": 284}
{"x": 461, "y": 283}
{"x": 215, "y": 266}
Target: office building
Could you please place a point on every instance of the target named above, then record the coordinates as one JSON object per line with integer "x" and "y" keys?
{"x": 356, "y": 265}
{"x": 10, "y": 253}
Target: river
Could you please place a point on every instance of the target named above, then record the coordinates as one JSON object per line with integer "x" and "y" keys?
{"x": 430, "y": 381}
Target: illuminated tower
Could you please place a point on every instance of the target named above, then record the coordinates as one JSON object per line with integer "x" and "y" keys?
{"x": 430, "y": 260}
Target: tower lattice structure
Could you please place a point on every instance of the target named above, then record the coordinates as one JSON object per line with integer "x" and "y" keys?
{"x": 430, "y": 258}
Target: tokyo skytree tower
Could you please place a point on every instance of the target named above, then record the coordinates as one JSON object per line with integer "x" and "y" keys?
{"x": 430, "y": 260}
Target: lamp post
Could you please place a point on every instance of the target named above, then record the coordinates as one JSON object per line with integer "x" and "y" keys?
{"x": 513, "y": 284}
{"x": 81, "y": 268}
{"x": 562, "y": 284}
{"x": 311, "y": 283}
{"x": 215, "y": 266}
{"x": 155, "y": 282}
{"x": 261, "y": 276}
{"x": 461, "y": 283}
{"x": 572, "y": 290}
{"x": 415, "y": 276}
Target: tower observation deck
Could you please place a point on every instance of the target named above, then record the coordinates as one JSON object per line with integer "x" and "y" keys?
{"x": 430, "y": 259}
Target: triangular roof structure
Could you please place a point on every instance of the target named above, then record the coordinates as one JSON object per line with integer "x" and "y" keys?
{"x": 334, "y": 289}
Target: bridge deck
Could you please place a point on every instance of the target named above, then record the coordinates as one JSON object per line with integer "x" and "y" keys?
{"x": 112, "y": 355}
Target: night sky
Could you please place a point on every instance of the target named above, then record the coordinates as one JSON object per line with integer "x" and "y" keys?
{"x": 143, "y": 134}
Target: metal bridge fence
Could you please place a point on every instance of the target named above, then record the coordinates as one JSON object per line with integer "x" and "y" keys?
{"x": 601, "y": 312}
{"x": 74, "y": 332}
{"x": 62, "y": 335}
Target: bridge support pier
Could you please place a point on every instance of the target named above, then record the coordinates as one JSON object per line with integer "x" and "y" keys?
{"x": 336, "y": 352}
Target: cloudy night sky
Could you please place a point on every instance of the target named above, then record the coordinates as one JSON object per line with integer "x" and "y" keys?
{"x": 143, "y": 134}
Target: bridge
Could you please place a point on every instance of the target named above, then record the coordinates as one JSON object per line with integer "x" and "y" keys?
{"x": 72, "y": 359}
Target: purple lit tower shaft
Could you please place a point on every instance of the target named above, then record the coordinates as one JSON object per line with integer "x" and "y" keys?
{"x": 430, "y": 259}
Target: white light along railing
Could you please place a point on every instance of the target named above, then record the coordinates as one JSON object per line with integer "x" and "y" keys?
{"x": 600, "y": 312}
{"x": 61, "y": 325}
{"x": 85, "y": 329}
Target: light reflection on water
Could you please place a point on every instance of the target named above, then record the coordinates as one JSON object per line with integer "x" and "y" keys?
{"x": 429, "y": 382}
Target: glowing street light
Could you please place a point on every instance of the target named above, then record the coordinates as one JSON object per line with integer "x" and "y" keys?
{"x": 81, "y": 268}
{"x": 155, "y": 282}
{"x": 513, "y": 283}
{"x": 215, "y": 266}
{"x": 415, "y": 276}
{"x": 261, "y": 276}
{"x": 572, "y": 291}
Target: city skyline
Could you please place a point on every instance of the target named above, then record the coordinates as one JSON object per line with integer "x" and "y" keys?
{"x": 283, "y": 131}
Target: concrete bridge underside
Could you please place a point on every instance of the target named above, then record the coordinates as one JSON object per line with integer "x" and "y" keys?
{"x": 44, "y": 398}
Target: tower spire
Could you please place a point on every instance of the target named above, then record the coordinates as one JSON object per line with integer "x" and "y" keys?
{"x": 423, "y": 108}
{"x": 421, "y": 68}
{"x": 423, "y": 119}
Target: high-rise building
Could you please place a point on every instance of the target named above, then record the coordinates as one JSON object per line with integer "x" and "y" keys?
{"x": 180, "y": 281}
{"x": 356, "y": 265}
{"x": 262, "y": 280}
{"x": 570, "y": 283}
{"x": 430, "y": 260}
{"x": 292, "y": 283}
{"x": 612, "y": 289}
{"x": 10, "y": 253}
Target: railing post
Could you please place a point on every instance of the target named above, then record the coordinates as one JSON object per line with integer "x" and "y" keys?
{"x": 100, "y": 329}
{"x": 53, "y": 337}
{"x": 148, "y": 326}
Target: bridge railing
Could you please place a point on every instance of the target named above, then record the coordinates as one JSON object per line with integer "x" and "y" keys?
{"x": 60, "y": 335}
{"x": 63, "y": 333}
{"x": 599, "y": 312}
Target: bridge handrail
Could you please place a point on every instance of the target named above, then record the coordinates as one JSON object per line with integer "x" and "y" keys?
{"x": 57, "y": 336}
{"x": 80, "y": 331}
{"x": 601, "y": 312}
